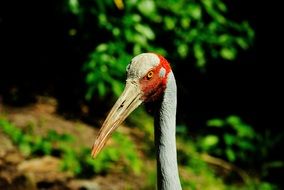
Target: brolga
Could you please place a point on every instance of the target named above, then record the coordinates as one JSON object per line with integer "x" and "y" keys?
{"x": 150, "y": 80}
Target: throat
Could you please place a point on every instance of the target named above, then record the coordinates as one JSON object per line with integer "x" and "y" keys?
{"x": 165, "y": 139}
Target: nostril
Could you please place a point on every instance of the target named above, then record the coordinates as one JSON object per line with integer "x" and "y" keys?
{"x": 122, "y": 104}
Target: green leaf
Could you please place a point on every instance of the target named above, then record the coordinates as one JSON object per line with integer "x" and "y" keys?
{"x": 46, "y": 147}
{"x": 116, "y": 32}
{"x": 90, "y": 93}
{"x": 210, "y": 141}
{"x": 222, "y": 7}
{"x": 136, "y": 18}
{"x": 185, "y": 22}
{"x": 145, "y": 30}
{"x": 249, "y": 30}
{"x": 183, "y": 50}
{"x": 147, "y": 7}
{"x": 230, "y": 155}
{"x": 102, "y": 47}
{"x": 91, "y": 78}
{"x": 199, "y": 54}
{"x": 233, "y": 120}
{"x": 74, "y": 6}
{"x": 169, "y": 23}
{"x": 25, "y": 148}
{"x": 101, "y": 89}
{"x": 102, "y": 19}
{"x": 244, "y": 130}
{"x": 242, "y": 42}
{"x": 16, "y": 136}
{"x": 194, "y": 10}
{"x": 228, "y": 53}
{"x": 137, "y": 49}
{"x": 246, "y": 145}
{"x": 67, "y": 138}
{"x": 215, "y": 123}
{"x": 224, "y": 39}
{"x": 229, "y": 139}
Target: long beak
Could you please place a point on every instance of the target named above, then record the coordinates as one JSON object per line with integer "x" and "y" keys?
{"x": 129, "y": 100}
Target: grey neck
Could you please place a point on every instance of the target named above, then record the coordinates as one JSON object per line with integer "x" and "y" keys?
{"x": 165, "y": 139}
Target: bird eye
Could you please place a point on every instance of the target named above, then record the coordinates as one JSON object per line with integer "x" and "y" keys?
{"x": 150, "y": 75}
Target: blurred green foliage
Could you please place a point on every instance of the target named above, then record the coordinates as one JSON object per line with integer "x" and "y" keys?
{"x": 182, "y": 30}
{"x": 77, "y": 161}
{"x": 233, "y": 139}
{"x": 191, "y": 160}
{"x": 237, "y": 138}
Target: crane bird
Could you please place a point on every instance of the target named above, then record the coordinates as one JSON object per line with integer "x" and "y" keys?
{"x": 149, "y": 79}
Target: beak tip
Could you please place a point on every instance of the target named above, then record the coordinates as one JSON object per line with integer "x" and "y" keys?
{"x": 94, "y": 152}
{"x": 127, "y": 102}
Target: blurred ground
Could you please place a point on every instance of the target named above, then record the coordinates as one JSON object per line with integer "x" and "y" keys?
{"x": 19, "y": 173}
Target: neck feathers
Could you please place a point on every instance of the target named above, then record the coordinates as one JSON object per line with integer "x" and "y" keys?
{"x": 165, "y": 140}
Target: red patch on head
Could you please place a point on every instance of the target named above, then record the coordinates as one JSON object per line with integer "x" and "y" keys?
{"x": 164, "y": 63}
{"x": 154, "y": 87}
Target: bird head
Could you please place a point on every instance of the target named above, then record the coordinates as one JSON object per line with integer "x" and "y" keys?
{"x": 146, "y": 82}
